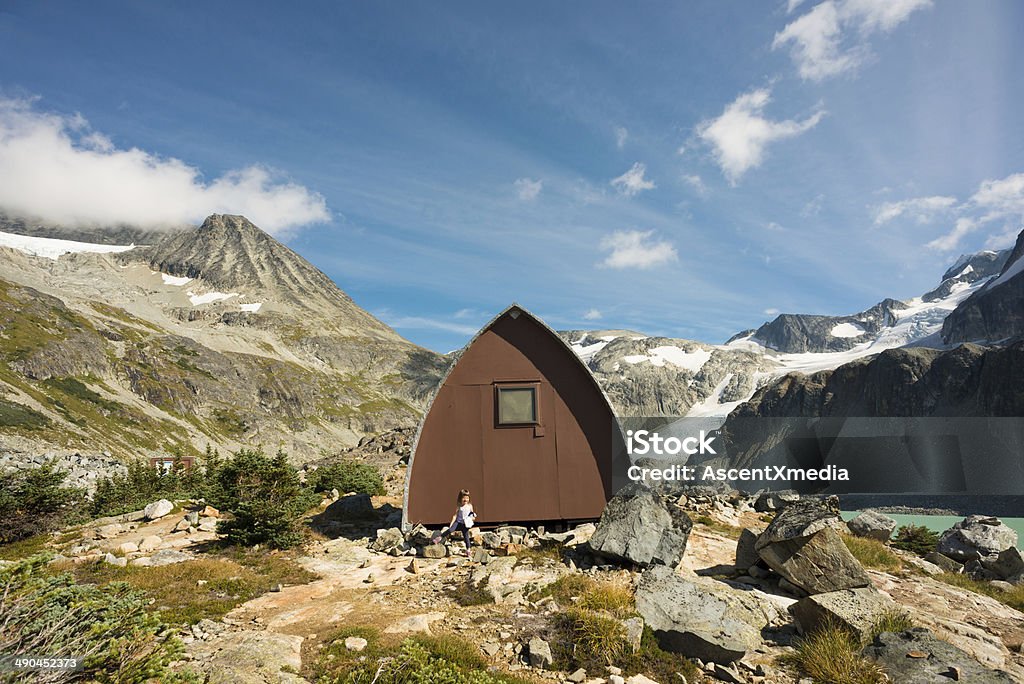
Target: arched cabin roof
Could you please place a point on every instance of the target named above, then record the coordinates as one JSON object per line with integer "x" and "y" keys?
{"x": 451, "y": 367}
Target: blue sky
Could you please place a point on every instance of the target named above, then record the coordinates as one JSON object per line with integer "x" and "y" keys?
{"x": 684, "y": 169}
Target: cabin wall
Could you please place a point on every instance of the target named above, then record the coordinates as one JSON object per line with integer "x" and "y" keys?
{"x": 562, "y": 471}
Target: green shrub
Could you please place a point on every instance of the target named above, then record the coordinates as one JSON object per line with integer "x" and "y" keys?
{"x": 143, "y": 483}
{"x": 419, "y": 660}
{"x": 916, "y": 539}
{"x": 109, "y": 626}
{"x": 347, "y": 476}
{"x": 589, "y": 639}
{"x": 34, "y": 501}
{"x": 264, "y": 495}
{"x": 13, "y": 415}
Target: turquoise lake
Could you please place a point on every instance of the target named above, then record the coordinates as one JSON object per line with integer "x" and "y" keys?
{"x": 941, "y": 523}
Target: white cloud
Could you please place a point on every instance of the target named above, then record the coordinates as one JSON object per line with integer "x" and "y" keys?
{"x": 921, "y": 209}
{"x": 771, "y": 312}
{"x": 949, "y": 241}
{"x": 996, "y": 201}
{"x": 697, "y": 183}
{"x": 832, "y": 37}
{"x": 813, "y": 207}
{"x": 56, "y": 168}
{"x": 592, "y": 315}
{"x": 633, "y": 182}
{"x": 740, "y": 134}
{"x": 621, "y": 136}
{"x": 528, "y": 189}
{"x": 636, "y": 249}
{"x": 792, "y": 5}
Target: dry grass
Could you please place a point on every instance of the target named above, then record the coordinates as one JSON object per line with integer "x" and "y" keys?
{"x": 1013, "y": 598}
{"x": 718, "y": 527}
{"x": 178, "y": 593}
{"x": 892, "y": 620}
{"x": 831, "y": 654}
{"x": 872, "y": 553}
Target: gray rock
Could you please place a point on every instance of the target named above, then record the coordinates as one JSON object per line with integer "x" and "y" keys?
{"x": 634, "y": 632}
{"x": 945, "y": 562}
{"x": 351, "y": 507}
{"x": 114, "y": 560}
{"x": 891, "y": 652}
{"x": 854, "y": 609}
{"x": 773, "y": 501}
{"x": 642, "y": 527}
{"x": 479, "y": 555}
{"x": 699, "y": 617}
{"x": 802, "y": 546}
{"x": 540, "y": 653}
{"x": 150, "y": 543}
{"x": 387, "y": 539}
{"x": 157, "y": 509}
{"x": 816, "y": 564}
{"x": 577, "y": 677}
{"x": 515, "y": 533}
{"x": 435, "y": 551}
{"x": 727, "y": 674}
{"x": 1006, "y": 564}
{"x": 873, "y": 525}
{"x": 168, "y": 557}
{"x": 108, "y": 531}
{"x": 976, "y": 536}
{"x": 746, "y": 553}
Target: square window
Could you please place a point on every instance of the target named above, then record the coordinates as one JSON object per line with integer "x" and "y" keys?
{"x": 517, "y": 405}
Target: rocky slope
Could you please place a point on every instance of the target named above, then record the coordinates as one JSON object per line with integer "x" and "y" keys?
{"x": 212, "y": 335}
{"x": 995, "y": 313}
{"x": 888, "y": 321}
{"x": 661, "y": 376}
{"x": 906, "y": 420}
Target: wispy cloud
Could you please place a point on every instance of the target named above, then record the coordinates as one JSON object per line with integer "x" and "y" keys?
{"x": 621, "y": 136}
{"x": 832, "y": 37}
{"x": 56, "y": 168}
{"x": 636, "y": 249}
{"x": 400, "y": 322}
{"x": 741, "y": 134}
{"x": 528, "y": 189}
{"x": 695, "y": 182}
{"x": 771, "y": 312}
{"x": 633, "y": 182}
{"x": 593, "y": 315}
{"x": 920, "y": 209}
{"x": 996, "y": 201}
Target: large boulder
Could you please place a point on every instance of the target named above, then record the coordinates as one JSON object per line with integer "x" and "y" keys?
{"x": 643, "y": 527}
{"x": 1008, "y": 564}
{"x": 857, "y": 610}
{"x": 351, "y": 507}
{"x": 157, "y": 509}
{"x": 774, "y": 501}
{"x": 746, "y": 551}
{"x": 387, "y": 539}
{"x": 976, "y": 536}
{"x": 918, "y": 657}
{"x": 803, "y": 547}
{"x": 873, "y": 525}
{"x": 700, "y": 617}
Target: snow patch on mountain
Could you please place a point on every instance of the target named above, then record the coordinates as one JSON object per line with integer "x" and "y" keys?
{"x": 251, "y": 308}
{"x": 659, "y": 356}
{"x": 177, "y": 281}
{"x": 846, "y": 330}
{"x": 209, "y": 297}
{"x": 53, "y": 248}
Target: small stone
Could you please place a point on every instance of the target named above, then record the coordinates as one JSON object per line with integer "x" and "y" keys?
{"x": 540, "y": 653}
{"x": 727, "y": 674}
{"x": 354, "y": 643}
{"x": 412, "y": 567}
{"x": 277, "y": 587}
{"x": 150, "y": 543}
{"x": 616, "y": 679}
{"x": 578, "y": 676}
{"x": 128, "y": 547}
{"x": 114, "y": 560}
{"x": 369, "y": 579}
{"x": 491, "y": 649}
{"x": 209, "y": 512}
{"x": 108, "y": 531}
{"x": 182, "y": 525}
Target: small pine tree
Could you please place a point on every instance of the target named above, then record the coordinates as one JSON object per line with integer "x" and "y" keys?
{"x": 266, "y": 498}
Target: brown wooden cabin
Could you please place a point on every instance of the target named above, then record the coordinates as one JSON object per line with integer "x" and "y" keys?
{"x": 519, "y": 421}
